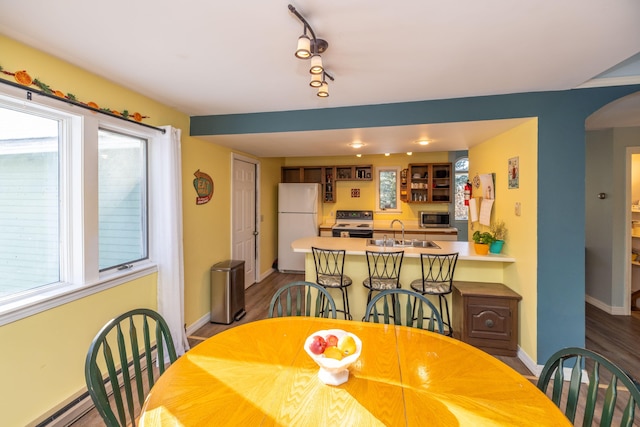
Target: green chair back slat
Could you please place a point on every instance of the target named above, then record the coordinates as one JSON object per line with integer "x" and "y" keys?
{"x": 403, "y": 307}
{"x": 126, "y": 377}
{"x": 592, "y": 394}
{"x": 607, "y": 405}
{"x": 283, "y": 304}
{"x": 120, "y": 352}
{"x": 148, "y": 359}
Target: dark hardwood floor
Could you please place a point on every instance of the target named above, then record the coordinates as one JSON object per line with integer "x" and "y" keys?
{"x": 616, "y": 337}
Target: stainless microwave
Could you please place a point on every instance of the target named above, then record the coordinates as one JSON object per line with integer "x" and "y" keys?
{"x": 433, "y": 219}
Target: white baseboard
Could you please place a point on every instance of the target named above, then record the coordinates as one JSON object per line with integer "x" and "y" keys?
{"x": 529, "y": 363}
{"x": 191, "y": 329}
{"x": 537, "y": 369}
{"x": 614, "y": 310}
{"x": 266, "y": 274}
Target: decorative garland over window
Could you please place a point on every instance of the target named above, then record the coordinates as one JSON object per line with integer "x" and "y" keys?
{"x": 24, "y": 79}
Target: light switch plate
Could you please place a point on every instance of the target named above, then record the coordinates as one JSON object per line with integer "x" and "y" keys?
{"x": 518, "y": 209}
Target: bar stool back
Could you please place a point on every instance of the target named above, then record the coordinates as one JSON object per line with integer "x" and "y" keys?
{"x": 437, "y": 279}
{"x": 330, "y": 274}
{"x": 384, "y": 271}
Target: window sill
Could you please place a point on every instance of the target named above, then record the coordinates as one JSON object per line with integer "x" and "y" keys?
{"x": 38, "y": 302}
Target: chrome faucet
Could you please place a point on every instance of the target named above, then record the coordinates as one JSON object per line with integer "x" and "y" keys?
{"x": 402, "y": 224}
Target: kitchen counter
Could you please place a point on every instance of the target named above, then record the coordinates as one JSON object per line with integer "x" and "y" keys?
{"x": 358, "y": 246}
{"x": 470, "y": 267}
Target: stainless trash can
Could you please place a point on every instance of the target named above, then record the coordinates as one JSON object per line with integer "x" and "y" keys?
{"x": 227, "y": 291}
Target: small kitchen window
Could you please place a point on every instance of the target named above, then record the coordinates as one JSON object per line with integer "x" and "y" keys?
{"x": 388, "y": 189}
{"x": 462, "y": 176}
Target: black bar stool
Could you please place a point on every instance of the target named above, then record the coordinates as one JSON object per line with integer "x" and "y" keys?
{"x": 437, "y": 279}
{"x": 330, "y": 274}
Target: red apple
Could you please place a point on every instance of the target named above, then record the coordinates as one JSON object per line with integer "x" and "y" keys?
{"x": 318, "y": 345}
{"x": 332, "y": 340}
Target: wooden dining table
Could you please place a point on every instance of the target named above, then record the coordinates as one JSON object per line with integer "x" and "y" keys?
{"x": 258, "y": 374}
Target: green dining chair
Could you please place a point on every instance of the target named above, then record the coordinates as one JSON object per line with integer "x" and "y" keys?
{"x": 404, "y": 307}
{"x": 138, "y": 340}
{"x": 609, "y": 396}
{"x": 298, "y": 298}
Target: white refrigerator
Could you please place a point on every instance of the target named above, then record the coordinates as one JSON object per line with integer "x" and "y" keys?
{"x": 299, "y": 215}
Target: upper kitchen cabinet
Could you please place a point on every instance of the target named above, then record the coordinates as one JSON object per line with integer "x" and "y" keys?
{"x": 292, "y": 174}
{"x": 329, "y": 188}
{"x": 313, "y": 174}
{"x": 306, "y": 174}
{"x": 430, "y": 183}
{"x": 354, "y": 173}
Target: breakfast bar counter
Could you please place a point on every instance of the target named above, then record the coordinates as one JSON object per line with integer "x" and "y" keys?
{"x": 358, "y": 246}
{"x": 470, "y": 267}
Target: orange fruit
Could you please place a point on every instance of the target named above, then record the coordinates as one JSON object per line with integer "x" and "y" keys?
{"x": 347, "y": 345}
{"x": 93, "y": 105}
{"x": 333, "y": 353}
{"x": 58, "y": 93}
{"x": 137, "y": 117}
{"x": 23, "y": 77}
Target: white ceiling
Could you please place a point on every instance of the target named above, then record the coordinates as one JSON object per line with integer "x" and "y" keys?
{"x": 213, "y": 57}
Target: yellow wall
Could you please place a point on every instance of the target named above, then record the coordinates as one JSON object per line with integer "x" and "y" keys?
{"x": 206, "y": 227}
{"x": 492, "y": 156}
{"x": 367, "y": 198}
{"x": 268, "y": 211}
{"x": 42, "y": 356}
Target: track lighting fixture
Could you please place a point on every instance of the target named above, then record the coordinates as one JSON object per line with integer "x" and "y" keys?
{"x": 312, "y": 47}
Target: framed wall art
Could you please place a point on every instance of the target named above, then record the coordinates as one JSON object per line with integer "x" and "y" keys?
{"x": 514, "y": 172}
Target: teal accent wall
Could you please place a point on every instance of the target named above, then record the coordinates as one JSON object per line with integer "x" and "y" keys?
{"x": 561, "y": 177}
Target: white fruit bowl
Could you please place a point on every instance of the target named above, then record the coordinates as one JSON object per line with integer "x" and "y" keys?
{"x": 333, "y": 371}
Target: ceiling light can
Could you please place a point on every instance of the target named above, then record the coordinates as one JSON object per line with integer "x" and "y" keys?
{"x": 304, "y": 47}
{"x": 316, "y": 80}
{"x": 323, "y": 90}
{"x": 316, "y": 65}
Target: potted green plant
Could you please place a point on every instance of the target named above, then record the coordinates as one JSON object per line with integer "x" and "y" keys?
{"x": 499, "y": 231}
{"x": 481, "y": 242}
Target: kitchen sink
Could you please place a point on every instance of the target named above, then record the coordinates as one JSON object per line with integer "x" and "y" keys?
{"x": 403, "y": 243}
{"x": 424, "y": 244}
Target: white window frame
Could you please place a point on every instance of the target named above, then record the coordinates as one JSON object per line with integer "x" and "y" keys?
{"x": 397, "y": 170}
{"x": 79, "y": 271}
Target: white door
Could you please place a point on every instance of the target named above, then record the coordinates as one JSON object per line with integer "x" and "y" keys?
{"x": 244, "y": 225}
